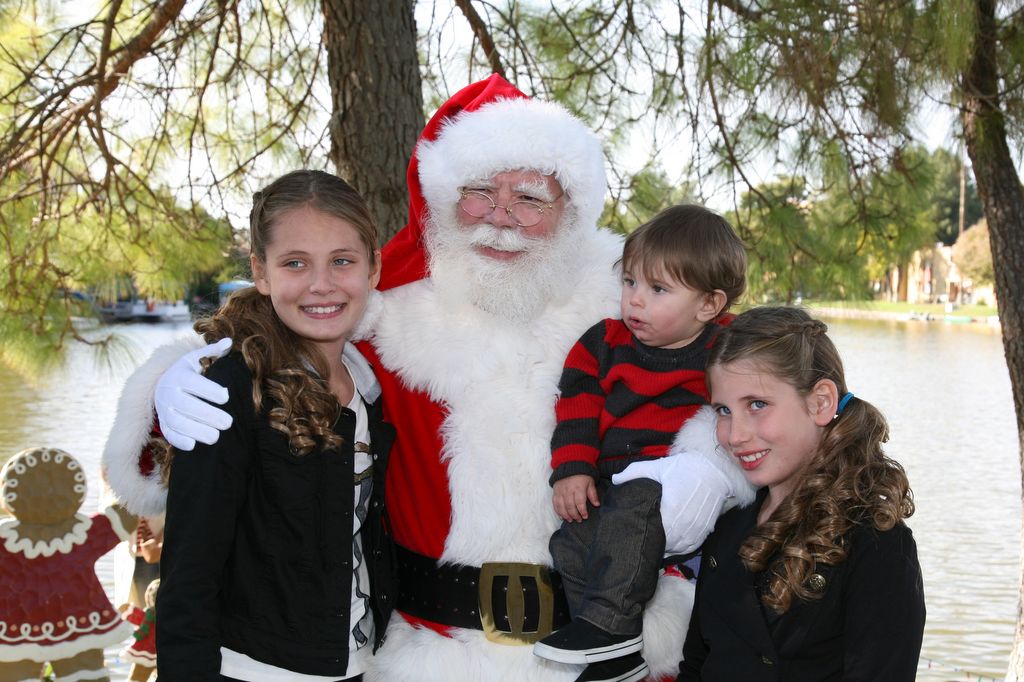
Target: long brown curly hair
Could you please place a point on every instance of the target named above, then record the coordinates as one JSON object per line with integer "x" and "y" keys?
{"x": 849, "y": 479}
{"x": 287, "y": 368}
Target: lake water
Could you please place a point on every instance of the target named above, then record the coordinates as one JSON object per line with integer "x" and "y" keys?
{"x": 944, "y": 388}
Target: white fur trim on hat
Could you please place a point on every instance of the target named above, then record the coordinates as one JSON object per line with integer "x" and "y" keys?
{"x": 516, "y": 134}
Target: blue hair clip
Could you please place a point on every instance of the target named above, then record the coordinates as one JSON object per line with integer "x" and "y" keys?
{"x": 842, "y": 403}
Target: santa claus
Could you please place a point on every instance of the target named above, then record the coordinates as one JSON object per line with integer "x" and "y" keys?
{"x": 499, "y": 271}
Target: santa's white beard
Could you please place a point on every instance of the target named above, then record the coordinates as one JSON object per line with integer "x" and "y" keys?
{"x": 518, "y": 289}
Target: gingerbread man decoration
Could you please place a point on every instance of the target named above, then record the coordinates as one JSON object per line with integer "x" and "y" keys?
{"x": 141, "y": 652}
{"x": 52, "y": 606}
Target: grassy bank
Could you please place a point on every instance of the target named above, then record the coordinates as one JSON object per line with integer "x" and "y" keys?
{"x": 934, "y": 309}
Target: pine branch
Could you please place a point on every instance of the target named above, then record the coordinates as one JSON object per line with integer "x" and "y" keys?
{"x": 476, "y": 22}
{"x": 55, "y": 125}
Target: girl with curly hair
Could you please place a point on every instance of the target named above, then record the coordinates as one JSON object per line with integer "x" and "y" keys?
{"x": 275, "y": 564}
{"x": 818, "y": 579}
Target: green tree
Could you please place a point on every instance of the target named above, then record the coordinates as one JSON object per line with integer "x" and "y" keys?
{"x": 122, "y": 130}
{"x": 972, "y": 254}
{"x": 829, "y": 245}
{"x": 905, "y": 213}
{"x": 775, "y": 225}
{"x": 161, "y": 245}
{"x": 640, "y": 197}
{"x": 947, "y": 197}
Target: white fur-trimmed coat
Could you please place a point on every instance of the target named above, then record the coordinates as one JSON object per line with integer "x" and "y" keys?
{"x": 498, "y": 382}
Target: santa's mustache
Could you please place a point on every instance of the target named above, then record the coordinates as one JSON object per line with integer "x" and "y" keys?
{"x": 500, "y": 239}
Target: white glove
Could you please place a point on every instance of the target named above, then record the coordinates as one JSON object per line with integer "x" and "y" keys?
{"x": 693, "y": 494}
{"x": 184, "y": 418}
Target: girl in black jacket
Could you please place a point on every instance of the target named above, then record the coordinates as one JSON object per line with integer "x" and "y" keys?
{"x": 275, "y": 560}
{"x": 819, "y": 578}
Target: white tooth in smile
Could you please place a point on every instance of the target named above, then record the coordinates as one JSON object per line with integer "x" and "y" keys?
{"x": 322, "y": 309}
{"x": 754, "y": 457}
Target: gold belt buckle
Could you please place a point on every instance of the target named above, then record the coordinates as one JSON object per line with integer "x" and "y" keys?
{"x": 515, "y": 604}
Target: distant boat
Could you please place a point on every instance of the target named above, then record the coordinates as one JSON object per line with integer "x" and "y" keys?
{"x": 118, "y": 311}
{"x": 105, "y": 310}
{"x": 118, "y": 301}
{"x": 159, "y": 311}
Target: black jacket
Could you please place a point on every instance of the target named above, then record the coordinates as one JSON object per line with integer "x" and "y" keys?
{"x": 258, "y": 546}
{"x": 866, "y": 627}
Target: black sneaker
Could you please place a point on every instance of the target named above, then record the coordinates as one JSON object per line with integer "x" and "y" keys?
{"x": 630, "y": 668}
{"x": 583, "y": 642}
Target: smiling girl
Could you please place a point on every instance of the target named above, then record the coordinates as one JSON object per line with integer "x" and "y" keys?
{"x": 274, "y": 563}
{"x": 819, "y": 578}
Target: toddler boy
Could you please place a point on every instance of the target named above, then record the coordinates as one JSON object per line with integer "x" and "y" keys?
{"x": 626, "y": 389}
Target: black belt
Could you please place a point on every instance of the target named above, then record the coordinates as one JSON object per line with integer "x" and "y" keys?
{"x": 524, "y": 602}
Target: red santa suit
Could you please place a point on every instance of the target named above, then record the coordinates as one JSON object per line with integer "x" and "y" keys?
{"x": 472, "y": 396}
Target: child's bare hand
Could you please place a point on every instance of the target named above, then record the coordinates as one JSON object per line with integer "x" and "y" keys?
{"x": 571, "y": 494}
{"x": 150, "y": 550}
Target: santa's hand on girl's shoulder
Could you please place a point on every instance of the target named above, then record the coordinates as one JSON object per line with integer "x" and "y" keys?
{"x": 183, "y": 396}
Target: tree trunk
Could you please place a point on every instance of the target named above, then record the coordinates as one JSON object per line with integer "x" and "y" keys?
{"x": 1003, "y": 200}
{"x": 903, "y": 282}
{"x": 373, "y": 69}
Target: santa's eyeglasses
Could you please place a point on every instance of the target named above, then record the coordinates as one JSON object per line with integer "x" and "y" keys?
{"x": 479, "y": 204}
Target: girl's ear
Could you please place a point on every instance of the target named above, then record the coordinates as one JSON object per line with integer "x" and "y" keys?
{"x": 823, "y": 401}
{"x": 259, "y": 275}
{"x": 712, "y": 306}
{"x": 375, "y": 275}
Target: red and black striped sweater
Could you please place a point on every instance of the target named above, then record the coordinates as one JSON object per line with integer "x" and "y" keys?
{"x": 622, "y": 401}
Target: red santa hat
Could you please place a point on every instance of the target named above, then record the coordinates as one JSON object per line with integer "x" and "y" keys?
{"x": 489, "y": 127}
